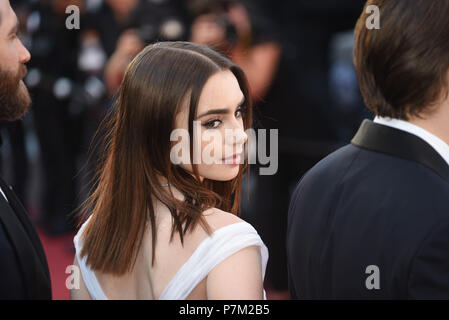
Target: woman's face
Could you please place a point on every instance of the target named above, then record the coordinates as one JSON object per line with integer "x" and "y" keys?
{"x": 218, "y": 130}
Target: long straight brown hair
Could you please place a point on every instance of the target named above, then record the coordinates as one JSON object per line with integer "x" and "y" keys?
{"x": 137, "y": 152}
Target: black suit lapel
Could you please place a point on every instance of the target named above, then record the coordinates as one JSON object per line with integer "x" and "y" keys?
{"x": 21, "y": 214}
{"x": 398, "y": 143}
{"x": 26, "y": 244}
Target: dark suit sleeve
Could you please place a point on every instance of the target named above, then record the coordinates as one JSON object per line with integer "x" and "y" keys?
{"x": 292, "y": 245}
{"x": 291, "y": 287}
{"x": 429, "y": 274}
{"x": 11, "y": 279}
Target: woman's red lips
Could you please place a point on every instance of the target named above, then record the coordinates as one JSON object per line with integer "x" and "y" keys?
{"x": 234, "y": 159}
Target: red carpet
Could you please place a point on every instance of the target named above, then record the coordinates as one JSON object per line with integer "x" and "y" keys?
{"x": 60, "y": 254}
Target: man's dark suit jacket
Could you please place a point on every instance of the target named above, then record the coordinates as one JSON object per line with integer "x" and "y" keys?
{"x": 23, "y": 266}
{"x": 381, "y": 201}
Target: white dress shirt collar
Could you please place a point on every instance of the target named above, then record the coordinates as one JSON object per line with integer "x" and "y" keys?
{"x": 1, "y": 191}
{"x": 439, "y": 145}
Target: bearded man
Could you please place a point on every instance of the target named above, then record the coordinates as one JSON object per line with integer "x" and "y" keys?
{"x": 23, "y": 266}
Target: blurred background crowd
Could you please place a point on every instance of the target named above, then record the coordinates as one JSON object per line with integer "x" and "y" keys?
{"x": 297, "y": 55}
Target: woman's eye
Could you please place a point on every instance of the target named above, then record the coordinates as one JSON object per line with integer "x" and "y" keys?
{"x": 239, "y": 112}
{"x": 214, "y": 124}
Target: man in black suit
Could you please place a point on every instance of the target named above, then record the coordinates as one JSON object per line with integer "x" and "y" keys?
{"x": 371, "y": 221}
{"x": 23, "y": 267}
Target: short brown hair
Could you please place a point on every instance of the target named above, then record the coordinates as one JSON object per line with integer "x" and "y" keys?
{"x": 402, "y": 66}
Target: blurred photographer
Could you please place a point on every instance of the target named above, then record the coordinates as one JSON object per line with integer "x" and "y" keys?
{"x": 241, "y": 30}
{"x": 58, "y": 90}
{"x": 141, "y": 23}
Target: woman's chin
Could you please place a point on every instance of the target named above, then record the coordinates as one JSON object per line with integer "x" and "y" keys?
{"x": 225, "y": 174}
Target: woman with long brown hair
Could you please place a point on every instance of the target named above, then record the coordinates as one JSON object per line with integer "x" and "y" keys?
{"x": 162, "y": 222}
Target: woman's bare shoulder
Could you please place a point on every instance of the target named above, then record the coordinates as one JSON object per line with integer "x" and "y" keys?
{"x": 217, "y": 218}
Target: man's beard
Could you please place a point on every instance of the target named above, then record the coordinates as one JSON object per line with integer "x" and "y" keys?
{"x": 14, "y": 97}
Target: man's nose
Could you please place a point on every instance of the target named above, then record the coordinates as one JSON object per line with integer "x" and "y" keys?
{"x": 24, "y": 54}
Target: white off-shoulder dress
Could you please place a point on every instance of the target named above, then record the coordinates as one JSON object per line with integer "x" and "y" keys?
{"x": 221, "y": 244}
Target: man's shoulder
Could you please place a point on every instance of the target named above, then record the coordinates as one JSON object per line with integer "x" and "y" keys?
{"x": 368, "y": 174}
{"x": 332, "y": 165}
{"x": 356, "y": 162}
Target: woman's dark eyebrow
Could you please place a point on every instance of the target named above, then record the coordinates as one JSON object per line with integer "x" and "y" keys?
{"x": 214, "y": 111}
{"x": 220, "y": 111}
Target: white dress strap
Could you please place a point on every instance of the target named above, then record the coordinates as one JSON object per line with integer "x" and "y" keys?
{"x": 222, "y": 243}
{"x": 90, "y": 280}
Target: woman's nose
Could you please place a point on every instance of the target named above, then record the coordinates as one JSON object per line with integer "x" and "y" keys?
{"x": 236, "y": 137}
{"x": 242, "y": 137}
